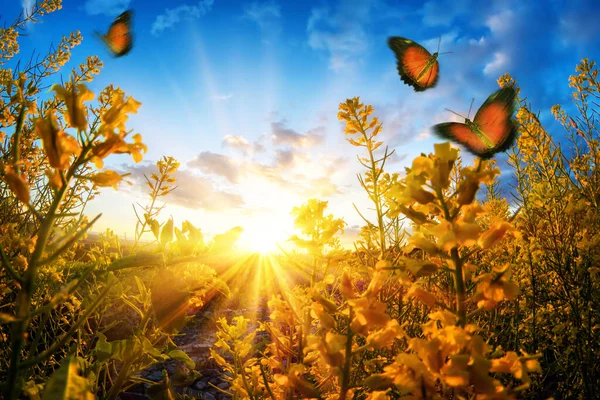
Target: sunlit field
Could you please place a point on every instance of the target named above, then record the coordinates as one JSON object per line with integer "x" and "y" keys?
{"x": 323, "y": 227}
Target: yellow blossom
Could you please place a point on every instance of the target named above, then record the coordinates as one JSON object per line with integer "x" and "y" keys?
{"x": 466, "y": 232}
{"x": 77, "y": 114}
{"x": 107, "y": 178}
{"x": 422, "y": 165}
{"x": 58, "y": 145}
{"x": 494, "y": 234}
{"x": 17, "y": 183}
{"x": 446, "y": 156}
{"x": 54, "y": 179}
{"x": 116, "y": 116}
{"x": 422, "y": 295}
{"x": 415, "y": 191}
{"x": 115, "y": 144}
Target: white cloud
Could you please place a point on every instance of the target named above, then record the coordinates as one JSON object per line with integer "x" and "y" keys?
{"x": 107, "y": 7}
{"x": 342, "y": 34}
{"x": 447, "y": 42}
{"x": 241, "y": 144}
{"x": 422, "y": 136}
{"x": 174, "y": 15}
{"x": 221, "y": 97}
{"x": 501, "y": 22}
{"x": 217, "y": 164}
{"x": 193, "y": 191}
{"x": 499, "y": 62}
{"x": 480, "y": 42}
{"x": 267, "y": 15}
{"x": 198, "y": 192}
{"x": 286, "y": 136}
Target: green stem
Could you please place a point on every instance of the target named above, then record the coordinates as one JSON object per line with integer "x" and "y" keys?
{"x": 30, "y": 362}
{"x": 123, "y": 373}
{"x": 6, "y": 264}
{"x": 23, "y": 301}
{"x": 459, "y": 283}
{"x": 264, "y": 376}
{"x": 348, "y": 359}
{"x": 376, "y": 198}
{"x": 18, "y": 129}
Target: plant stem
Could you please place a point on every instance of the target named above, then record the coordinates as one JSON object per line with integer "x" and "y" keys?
{"x": 23, "y": 301}
{"x": 376, "y": 198}
{"x": 348, "y": 359}
{"x": 459, "y": 283}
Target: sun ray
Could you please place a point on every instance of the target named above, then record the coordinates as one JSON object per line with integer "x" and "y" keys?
{"x": 204, "y": 66}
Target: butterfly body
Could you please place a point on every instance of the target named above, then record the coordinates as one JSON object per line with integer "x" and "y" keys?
{"x": 430, "y": 63}
{"x": 119, "y": 38}
{"x": 416, "y": 66}
{"x": 491, "y": 131}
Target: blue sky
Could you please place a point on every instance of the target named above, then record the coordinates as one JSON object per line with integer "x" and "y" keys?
{"x": 245, "y": 93}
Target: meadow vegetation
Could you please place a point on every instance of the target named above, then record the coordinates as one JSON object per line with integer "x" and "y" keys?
{"x": 452, "y": 291}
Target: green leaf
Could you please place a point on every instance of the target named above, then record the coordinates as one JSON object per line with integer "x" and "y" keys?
{"x": 116, "y": 350}
{"x": 103, "y": 349}
{"x": 180, "y": 355}
{"x": 150, "y": 349}
{"x": 166, "y": 235}
{"x": 66, "y": 384}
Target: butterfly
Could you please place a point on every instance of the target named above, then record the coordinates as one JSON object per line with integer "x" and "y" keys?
{"x": 119, "y": 38}
{"x": 417, "y": 67}
{"x": 491, "y": 131}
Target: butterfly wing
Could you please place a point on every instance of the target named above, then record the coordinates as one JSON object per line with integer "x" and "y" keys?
{"x": 119, "y": 38}
{"x": 461, "y": 133}
{"x": 494, "y": 119}
{"x": 413, "y": 62}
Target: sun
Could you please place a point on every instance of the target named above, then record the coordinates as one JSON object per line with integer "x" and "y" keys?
{"x": 263, "y": 236}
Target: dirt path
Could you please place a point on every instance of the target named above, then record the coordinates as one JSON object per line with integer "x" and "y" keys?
{"x": 248, "y": 298}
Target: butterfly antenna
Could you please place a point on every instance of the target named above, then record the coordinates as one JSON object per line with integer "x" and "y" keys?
{"x": 455, "y": 113}
{"x": 446, "y": 52}
{"x": 439, "y": 42}
{"x": 471, "y": 106}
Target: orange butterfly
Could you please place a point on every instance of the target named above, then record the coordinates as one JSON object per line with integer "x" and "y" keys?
{"x": 119, "y": 38}
{"x": 491, "y": 131}
{"x": 417, "y": 67}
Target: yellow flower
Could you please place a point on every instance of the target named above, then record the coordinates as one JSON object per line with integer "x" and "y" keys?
{"x": 494, "y": 234}
{"x": 422, "y": 165}
{"x": 445, "y": 234}
{"x": 467, "y": 190}
{"x": 115, "y": 143}
{"x": 58, "y": 145}
{"x": 54, "y": 179}
{"x": 421, "y": 294}
{"x": 17, "y": 183}
{"x": 137, "y": 147}
{"x": 116, "y": 116}
{"x": 386, "y": 336}
{"x": 107, "y": 178}
{"x": 446, "y": 156}
{"x": 466, "y": 232}
{"x": 77, "y": 114}
{"x": 378, "y": 395}
{"x": 421, "y": 242}
{"x": 346, "y": 287}
{"x": 415, "y": 190}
